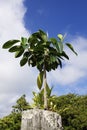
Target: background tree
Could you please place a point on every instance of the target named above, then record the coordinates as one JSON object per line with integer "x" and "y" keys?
{"x": 21, "y": 105}
{"x": 13, "y": 120}
{"x": 40, "y": 51}
{"x": 72, "y": 108}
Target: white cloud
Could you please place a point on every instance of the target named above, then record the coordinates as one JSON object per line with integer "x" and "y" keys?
{"x": 14, "y": 80}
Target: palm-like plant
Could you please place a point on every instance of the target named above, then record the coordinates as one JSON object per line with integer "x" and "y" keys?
{"x": 40, "y": 51}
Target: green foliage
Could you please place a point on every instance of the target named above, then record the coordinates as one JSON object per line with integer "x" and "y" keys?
{"x": 40, "y": 80}
{"x": 72, "y": 108}
{"x": 13, "y": 120}
{"x": 39, "y": 98}
{"x": 21, "y": 104}
{"x": 41, "y": 50}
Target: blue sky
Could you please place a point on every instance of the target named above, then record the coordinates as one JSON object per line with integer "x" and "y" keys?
{"x": 57, "y": 16}
{"x": 23, "y": 17}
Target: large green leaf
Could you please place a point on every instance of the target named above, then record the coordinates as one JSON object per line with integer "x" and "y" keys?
{"x": 52, "y": 59}
{"x": 48, "y": 91}
{"x": 15, "y": 48}
{"x": 59, "y": 47}
{"x": 65, "y": 55}
{"x": 54, "y": 41}
{"x": 23, "y": 61}
{"x": 71, "y": 47}
{"x": 10, "y": 43}
{"x": 60, "y": 63}
{"x": 19, "y": 53}
{"x": 57, "y": 44}
{"x": 40, "y": 80}
{"x": 60, "y": 36}
{"x": 23, "y": 40}
{"x": 24, "y": 43}
{"x": 27, "y": 54}
{"x": 43, "y": 35}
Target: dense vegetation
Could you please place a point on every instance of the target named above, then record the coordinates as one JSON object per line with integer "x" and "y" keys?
{"x": 73, "y": 109}
{"x": 13, "y": 120}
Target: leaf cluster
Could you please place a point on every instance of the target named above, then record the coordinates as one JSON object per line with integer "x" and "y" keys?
{"x": 39, "y": 50}
{"x": 38, "y": 98}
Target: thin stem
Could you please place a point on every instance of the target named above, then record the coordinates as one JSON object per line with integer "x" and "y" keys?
{"x": 45, "y": 91}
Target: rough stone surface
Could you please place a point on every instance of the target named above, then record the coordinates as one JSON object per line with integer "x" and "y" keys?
{"x": 36, "y": 119}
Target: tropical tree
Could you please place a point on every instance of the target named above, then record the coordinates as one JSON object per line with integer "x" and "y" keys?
{"x": 40, "y": 51}
{"x": 21, "y": 105}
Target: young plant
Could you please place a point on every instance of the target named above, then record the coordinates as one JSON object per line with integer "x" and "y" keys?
{"x": 40, "y": 51}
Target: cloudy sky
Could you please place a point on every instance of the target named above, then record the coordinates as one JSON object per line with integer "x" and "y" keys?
{"x": 23, "y": 17}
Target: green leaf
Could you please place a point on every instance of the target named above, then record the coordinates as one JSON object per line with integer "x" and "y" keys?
{"x": 60, "y": 36}
{"x": 71, "y": 47}
{"x": 10, "y": 43}
{"x": 40, "y": 80}
{"x": 23, "y": 61}
{"x": 60, "y": 63}
{"x": 65, "y": 55}
{"x": 34, "y": 93}
{"x": 52, "y": 59}
{"x": 23, "y": 40}
{"x": 19, "y": 53}
{"x": 15, "y": 48}
{"x": 59, "y": 47}
{"x": 43, "y": 35}
{"x": 57, "y": 44}
{"x": 53, "y": 40}
{"x": 27, "y": 54}
{"x": 48, "y": 90}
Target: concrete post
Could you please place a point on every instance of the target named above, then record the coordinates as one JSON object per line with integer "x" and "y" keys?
{"x": 36, "y": 119}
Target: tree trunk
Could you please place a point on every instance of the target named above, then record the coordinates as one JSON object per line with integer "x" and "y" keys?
{"x": 45, "y": 91}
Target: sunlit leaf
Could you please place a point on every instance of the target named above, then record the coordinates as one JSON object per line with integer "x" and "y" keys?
{"x": 40, "y": 80}
{"x": 52, "y": 59}
{"x": 59, "y": 47}
{"x": 43, "y": 35}
{"x": 48, "y": 90}
{"x": 60, "y": 36}
{"x": 23, "y": 40}
{"x": 53, "y": 40}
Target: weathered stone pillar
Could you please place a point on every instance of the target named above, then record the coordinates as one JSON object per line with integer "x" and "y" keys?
{"x": 36, "y": 119}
